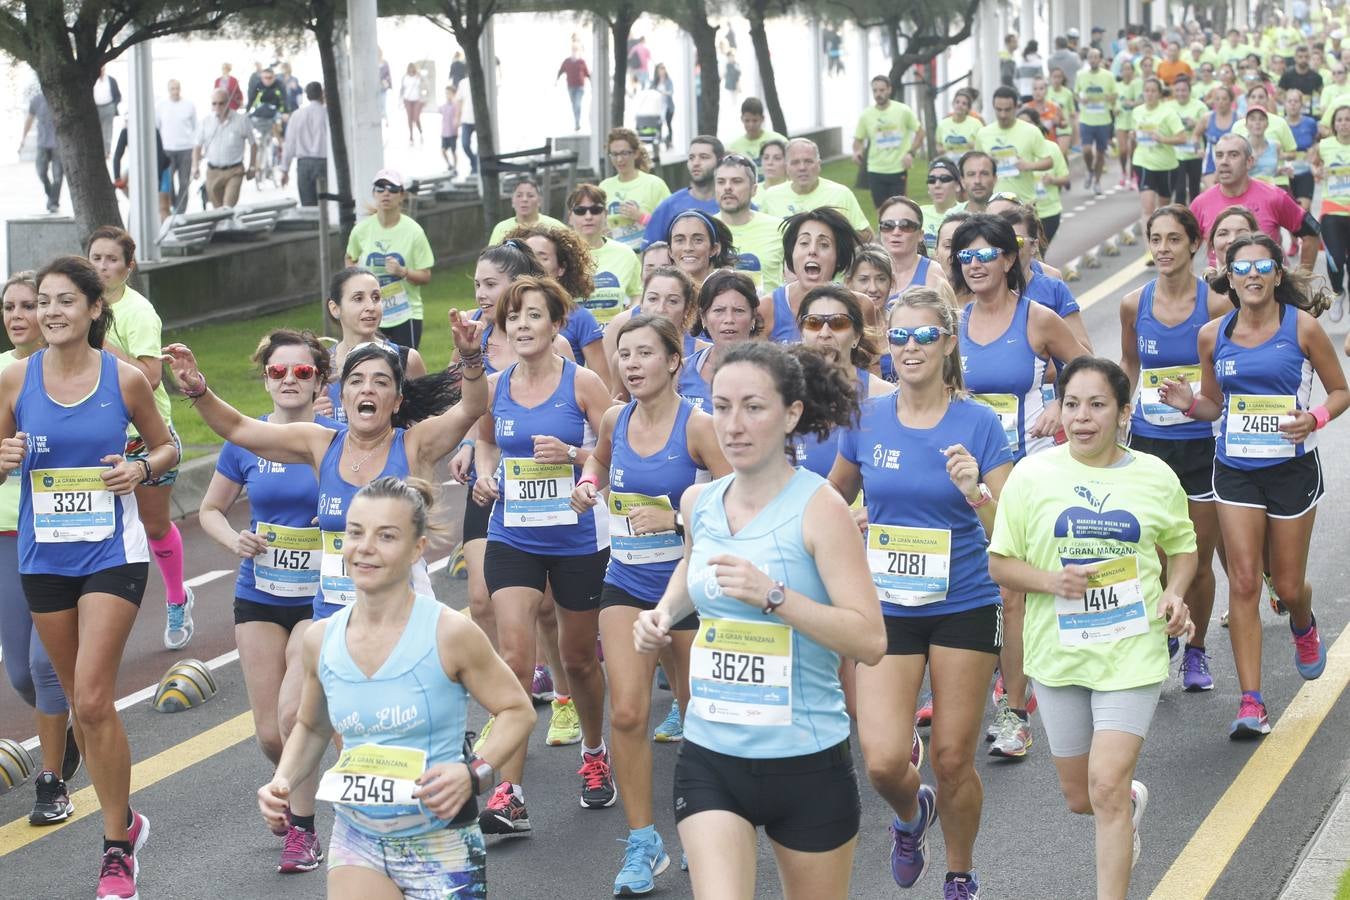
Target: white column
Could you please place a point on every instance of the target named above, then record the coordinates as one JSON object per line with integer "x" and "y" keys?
{"x": 1026, "y": 25}
{"x": 1084, "y": 22}
{"x": 1057, "y": 24}
{"x": 988, "y": 37}
{"x": 688, "y": 116}
{"x": 488, "y": 48}
{"x": 817, "y": 67}
{"x": 602, "y": 76}
{"x": 143, "y": 171}
{"x": 365, "y": 143}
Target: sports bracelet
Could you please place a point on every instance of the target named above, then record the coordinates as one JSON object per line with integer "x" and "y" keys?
{"x": 589, "y": 479}
{"x": 1322, "y": 415}
{"x": 199, "y": 393}
{"x": 149, "y": 475}
{"x": 1195, "y": 400}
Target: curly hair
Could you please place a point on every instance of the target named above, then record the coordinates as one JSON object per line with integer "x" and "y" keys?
{"x": 641, "y": 159}
{"x": 575, "y": 263}
{"x": 828, "y": 396}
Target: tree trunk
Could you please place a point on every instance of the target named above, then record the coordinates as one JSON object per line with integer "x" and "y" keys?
{"x": 929, "y": 93}
{"x": 324, "y": 21}
{"x": 619, "y": 30}
{"x": 487, "y": 139}
{"x": 759, "y": 39}
{"x": 710, "y": 79}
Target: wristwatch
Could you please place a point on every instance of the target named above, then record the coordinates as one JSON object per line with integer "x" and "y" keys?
{"x": 986, "y": 496}
{"x": 679, "y": 524}
{"x": 481, "y": 775}
{"x": 572, "y": 455}
{"x": 775, "y": 597}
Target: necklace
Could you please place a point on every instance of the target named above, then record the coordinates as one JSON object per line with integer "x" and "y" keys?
{"x": 356, "y": 466}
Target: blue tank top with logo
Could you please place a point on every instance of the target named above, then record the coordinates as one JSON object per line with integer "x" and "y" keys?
{"x": 1168, "y": 351}
{"x": 691, "y": 385}
{"x": 785, "y": 329}
{"x": 1006, "y": 373}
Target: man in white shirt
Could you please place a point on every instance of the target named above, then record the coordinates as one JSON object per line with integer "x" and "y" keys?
{"x": 307, "y": 144}
{"x": 106, "y": 97}
{"x": 220, "y": 141}
{"x": 177, "y": 119}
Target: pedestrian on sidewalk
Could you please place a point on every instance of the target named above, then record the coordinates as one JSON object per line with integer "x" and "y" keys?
{"x": 307, "y": 144}
{"x": 574, "y": 67}
{"x": 48, "y": 159}
{"x": 411, "y": 91}
{"x": 177, "y": 120}
{"x": 221, "y": 140}
{"x": 234, "y": 95}
{"x": 107, "y": 95}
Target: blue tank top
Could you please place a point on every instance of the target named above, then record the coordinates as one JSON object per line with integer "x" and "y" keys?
{"x": 1163, "y": 348}
{"x": 537, "y": 495}
{"x": 785, "y": 329}
{"x": 1212, "y": 130}
{"x": 408, "y": 702}
{"x": 691, "y": 386}
{"x": 282, "y": 497}
{"x": 642, "y": 564}
{"x": 1007, "y": 373}
{"x": 581, "y": 330}
{"x": 816, "y": 454}
{"x": 739, "y": 666}
{"x": 1051, "y": 293}
{"x": 1249, "y": 436}
{"x": 69, "y": 523}
{"x": 335, "y": 498}
{"x": 937, "y": 565}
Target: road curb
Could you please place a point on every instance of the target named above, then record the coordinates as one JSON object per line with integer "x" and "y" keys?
{"x": 1091, "y": 259}
{"x": 194, "y": 477}
{"x": 1325, "y": 858}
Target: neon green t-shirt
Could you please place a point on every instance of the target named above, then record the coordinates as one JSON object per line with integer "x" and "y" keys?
{"x": 371, "y": 244}
{"x": 782, "y": 201}
{"x": 752, "y": 147}
{"x": 646, "y": 190}
{"x": 137, "y": 330}
{"x": 1150, "y": 153}
{"x": 1127, "y": 98}
{"x": 1096, "y": 96}
{"x": 1048, "y": 201}
{"x": 506, "y": 226}
{"x": 1235, "y": 55}
{"x": 759, "y": 250}
{"x": 1194, "y": 111}
{"x": 955, "y": 138}
{"x": 889, "y": 134}
{"x": 618, "y": 279}
{"x": 1332, "y": 96}
{"x": 1064, "y": 99}
{"x": 1055, "y": 510}
{"x": 1336, "y": 176}
{"x": 932, "y": 221}
{"x": 10, "y": 490}
{"x": 1007, "y": 145}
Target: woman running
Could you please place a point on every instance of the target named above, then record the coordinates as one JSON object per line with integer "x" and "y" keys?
{"x": 925, "y": 534}
{"x": 946, "y": 231}
{"x": 394, "y": 247}
{"x": 1127, "y": 98}
{"x": 632, "y": 191}
{"x": 1159, "y": 325}
{"x": 728, "y": 313}
{"x": 666, "y": 291}
{"x": 699, "y": 244}
{"x": 403, "y": 791}
{"x": 563, "y": 256}
{"x": 525, "y": 203}
{"x": 956, "y": 132}
{"x": 773, "y": 163}
{"x": 1060, "y": 94}
{"x": 818, "y": 246}
{"x": 648, "y": 453}
{"x": 1330, "y": 160}
{"x": 83, "y": 556}
{"x": 1045, "y": 289}
{"x": 27, "y": 665}
{"x": 1157, "y": 132}
{"x": 1097, "y": 614}
{"x": 944, "y": 189}
{"x": 1049, "y": 184}
{"x": 279, "y": 572}
{"x": 134, "y": 337}
{"x": 1256, "y": 366}
{"x": 617, "y": 277}
{"x": 900, "y": 225}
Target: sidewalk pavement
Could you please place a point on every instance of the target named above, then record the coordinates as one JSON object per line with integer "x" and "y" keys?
{"x": 1326, "y": 857}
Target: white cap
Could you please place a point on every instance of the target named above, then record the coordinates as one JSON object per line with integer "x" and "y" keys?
{"x": 1073, "y": 32}
{"x": 390, "y": 175}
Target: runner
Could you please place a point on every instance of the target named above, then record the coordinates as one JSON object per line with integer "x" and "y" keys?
{"x": 396, "y": 249}
{"x": 632, "y": 191}
{"x": 818, "y": 245}
{"x": 758, "y": 761}
{"x": 532, "y": 439}
{"x": 618, "y": 274}
{"x": 525, "y": 203}
{"x": 1190, "y": 166}
{"x": 1267, "y": 476}
{"x": 946, "y": 231}
{"x": 564, "y": 257}
{"x": 647, "y": 454}
{"x": 1045, "y": 289}
{"x": 930, "y": 462}
{"x": 956, "y": 132}
{"x": 1159, "y": 324}
{"x": 870, "y": 275}
{"x": 773, "y": 163}
{"x": 900, "y": 226}
{"x": 1098, "y": 671}
{"x": 133, "y": 336}
{"x": 1158, "y": 131}
{"x": 944, "y": 189}
{"x": 1221, "y": 119}
{"x": 756, "y": 235}
{"x": 419, "y": 838}
{"x": 1061, "y": 94}
{"x": 1330, "y": 160}
{"x": 1096, "y": 98}
{"x": 1127, "y": 98}
{"x": 655, "y": 254}
{"x": 1049, "y": 185}
{"x": 27, "y": 665}
{"x": 84, "y": 569}
{"x": 667, "y": 291}
{"x": 279, "y": 571}
{"x": 700, "y": 243}
{"x": 728, "y": 314}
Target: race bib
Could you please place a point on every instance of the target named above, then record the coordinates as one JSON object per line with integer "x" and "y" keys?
{"x": 740, "y": 673}
{"x": 1094, "y": 106}
{"x": 1145, "y": 139}
{"x": 909, "y": 565}
{"x": 337, "y": 585}
{"x": 1005, "y": 163}
{"x": 538, "y": 494}
{"x": 1252, "y": 428}
{"x": 1007, "y": 407}
{"x": 71, "y": 505}
{"x": 1155, "y": 411}
{"x": 640, "y": 549}
{"x": 393, "y": 289}
{"x": 1187, "y": 148}
{"x": 1111, "y": 609}
{"x": 887, "y": 140}
{"x": 608, "y": 299}
{"x": 373, "y": 775}
{"x": 290, "y": 565}
{"x": 1338, "y": 180}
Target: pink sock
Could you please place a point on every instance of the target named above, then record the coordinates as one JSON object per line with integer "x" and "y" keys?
{"x": 168, "y": 552}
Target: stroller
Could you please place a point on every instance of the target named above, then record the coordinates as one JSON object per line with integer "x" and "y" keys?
{"x": 648, "y": 119}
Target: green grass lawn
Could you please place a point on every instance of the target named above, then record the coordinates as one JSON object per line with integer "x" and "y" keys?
{"x": 223, "y": 349}
{"x": 1343, "y": 889}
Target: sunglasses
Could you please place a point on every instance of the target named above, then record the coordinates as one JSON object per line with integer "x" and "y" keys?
{"x": 1244, "y": 267}
{"x": 940, "y": 179}
{"x": 906, "y": 226}
{"x": 984, "y": 254}
{"x": 302, "y": 371}
{"x": 836, "y": 322}
{"x": 385, "y": 187}
{"x": 594, "y": 209}
{"x": 923, "y": 335}
{"x": 1021, "y": 241}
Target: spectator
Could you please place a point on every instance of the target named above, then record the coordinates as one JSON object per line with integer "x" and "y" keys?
{"x": 639, "y": 58}
{"x": 1098, "y": 35}
{"x": 230, "y": 85}
{"x": 459, "y": 69}
{"x": 467, "y": 124}
{"x": 1027, "y": 70}
{"x": 1007, "y": 64}
{"x": 574, "y": 67}
{"x": 177, "y": 121}
{"x": 731, "y": 73}
{"x": 1065, "y": 58}
{"x": 292, "y": 86}
{"x": 254, "y": 80}
{"x": 449, "y": 128}
{"x": 410, "y": 89}
{"x": 221, "y": 139}
{"x": 307, "y": 144}
{"x": 662, "y": 83}
{"x": 163, "y": 166}
{"x": 386, "y": 84}
{"x": 107, "y": 96}
{"x": 48, "y": 159}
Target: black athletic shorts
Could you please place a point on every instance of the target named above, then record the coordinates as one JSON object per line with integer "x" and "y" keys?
{"x": 476, "y": 518}
{"x": 1160, "y": 182}
{"x": 1192, "y": 460}
{"x": 613, "y": 595}
{"x": 405, "y": 334}
{"x": 1284, "y": 491}
{"x": 806, "y": 803}
{"x": 286, "y": 616}
{"x": 979, "y": 629}
{"x": 57, "y": 593}
{"x": 576, "y": 579}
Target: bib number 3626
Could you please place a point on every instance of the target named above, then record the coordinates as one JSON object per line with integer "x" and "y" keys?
{"x": 741, "y": 672}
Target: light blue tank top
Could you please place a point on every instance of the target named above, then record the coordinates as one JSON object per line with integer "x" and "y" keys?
{"x": 748, "y": 648}
{"x": 409, "y": 702}
{"x": 1008, "y": 369}
{"x": 1163, "y": 347}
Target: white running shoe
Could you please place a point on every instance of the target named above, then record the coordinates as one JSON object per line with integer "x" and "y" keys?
{"x": 178, "y": 623}
{"x": 1337, "y": 310}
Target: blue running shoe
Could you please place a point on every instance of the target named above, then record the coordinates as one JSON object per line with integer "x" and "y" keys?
{"x": 1251, "y": 721}
{"x": 670, "y": 731}
{"x": 1173, "y": 648}
{"x": 1195, "y": 675}
{"x": 1310, "y": 656}
{"x": 961, "y": 887}
{"x": 909, "y": 849}
{"x": 643, "y": 859}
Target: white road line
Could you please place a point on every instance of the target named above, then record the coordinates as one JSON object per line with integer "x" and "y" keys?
{"x": 1080, "y": 207}
{"x": 207, "y": 578}
{"x": 439, "y": 564}
{"x": 1066, "y": 217}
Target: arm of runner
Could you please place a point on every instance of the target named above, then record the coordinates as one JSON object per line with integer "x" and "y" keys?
{"x": 308, "y": 740}
{"x": 486, "y": 453}
{"x": 1207, "y": 405}
{"x": 140, "y": 403}
{"x": 651, "y": 631}
{"x": 1320, "y": 352}
{"x": 1129, "y": 349}
{"x": 221, "y": 494}
{"x": 587, "y": 493}
{"x": 436, "y": 437}
{"x": 703, "y": 446}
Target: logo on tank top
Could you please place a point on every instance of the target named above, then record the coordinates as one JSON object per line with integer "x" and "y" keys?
{"x": 1225, "y": 367}
{"x": 1148, "y": 346}
{"x": 885, "y": 457}
{"x": 37, "y": 443}
{"x": 1093, "y": 533}
{"x": 330, "y": 506}
{"x": 616, "y": 477}
{"x": 506, "y": 428}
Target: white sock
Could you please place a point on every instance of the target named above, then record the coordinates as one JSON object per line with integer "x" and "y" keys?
{"x": 585, "y": 751}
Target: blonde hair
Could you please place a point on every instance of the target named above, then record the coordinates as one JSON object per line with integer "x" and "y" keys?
{"x": 416, "y": 492}
{"x": 949, "y": 317}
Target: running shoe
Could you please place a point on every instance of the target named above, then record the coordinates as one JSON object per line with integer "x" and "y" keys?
{"x": 597, "y": 781}
{"x": 1087, "y": 182}
{"x": 961, "y": 887}
{"x": 1096, "y": 192}
{"x": 909, "y": 848}
{"x": 71, "y": 762}
{"x": 1251, "y": 721}
{"x": 670, "y": 731}
{"x": 1121, "y": 183}
{"x": 483, "y": 735}
{"x": 1337, "y": 310}
{"x": 53, "y": 801}
{"x": 684, "y": 861}
{"x": 643, "y": 860}
{"x": 117, "y": 877}
{"x": 178, "y": 623}
{"x": 302, "y": 851}
{"x": 916, "y": 751}
{"x": 1276, "y": 604}
{"x": 1138, "y": 803}
{"x": 137, "y": 835}
{"x": 1310, "y": 656}
{"x": 1195, "y": 675}
{"x": 923, "y": 717}
{"x": 991, "y": 732}
{"x": 541, "y": 689}
{"x": 1014, "y": 736}
{"x": 564, "y": 725}
{"x": 505, "y": 812}
{"x": 1000, "y": 691}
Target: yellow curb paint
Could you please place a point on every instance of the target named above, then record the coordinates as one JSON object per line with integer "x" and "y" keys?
{"x": 1114, "y": 283}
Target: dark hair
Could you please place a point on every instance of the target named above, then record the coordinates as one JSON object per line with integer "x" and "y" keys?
{"x": 1185, "y": 218}
{"x": 118, "y": 236}
{"x": 686, "y": 288}
{"x": 84, "y": 276}
{"x": 574, "y": 257}
{"x": 665, "y": 330}
{"x": 846, "y": 242}
{"x": 876, "y": 78}
{"x": 514, "y": 257}
{"x": 773, "y": 142}
{"x": 829, "y": 398}
{"x": 1031, "y": 115}
{"x": 422, "y": 397}
{"x": 718, "y": 233}
{"x": 867, "y": 351}
{"x": 719, "y": 282}
{"x": 338, "y": 282}
{"x": 1115, "y": 377}
{"x": 752, "y": 106}
{"x": 313, "y": 91}
{"x": 997, "y": 233}
{"x": 1027, "y": 218}
{"x": 586, "y": 191}
{"x": 289, "y": 337}
{"x": 719, "y": 150}
{"x": 416, "y": 492}
{"x": 1292, "y": 289}
{"x": 1003, "y": 92}
{"x": 1235, "y": 210}
{"x": 740, "y": 161}
{"x": 555, "y": 298}
{"x": 525, "y": 178}
{"x": 971, "y": 155}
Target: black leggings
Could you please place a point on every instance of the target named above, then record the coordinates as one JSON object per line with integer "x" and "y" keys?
{"x": 1050, "y": 225}
{"x": 1336, "y": 238}
{"x": 1186, "y": 180}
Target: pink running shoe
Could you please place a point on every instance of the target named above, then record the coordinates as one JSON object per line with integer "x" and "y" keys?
{"x": 117, "y": 878}
{"x": 302, "y": 851}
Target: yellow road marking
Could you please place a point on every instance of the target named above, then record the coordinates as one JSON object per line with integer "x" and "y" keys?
{"x": 1114, "y": 283}
{"x": 19, "y": 833}
{"x": 1207, "y": 853}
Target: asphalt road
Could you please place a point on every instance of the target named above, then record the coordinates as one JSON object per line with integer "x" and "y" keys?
{"x": 197, "y": 771}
